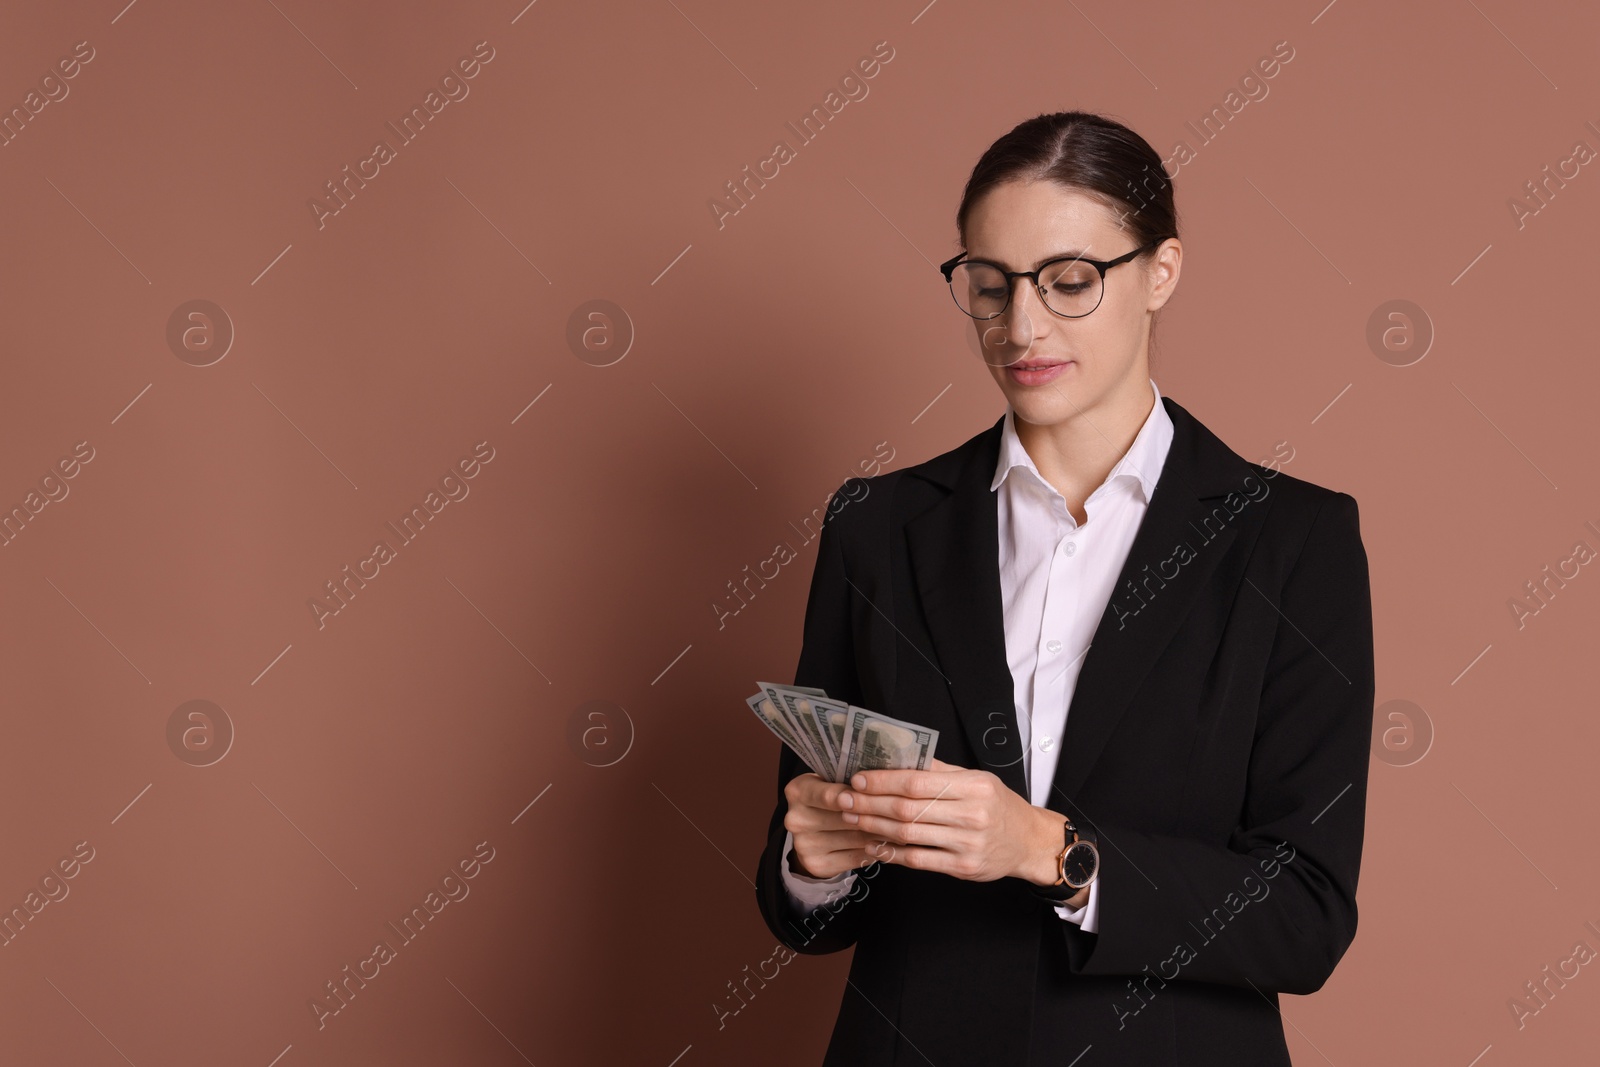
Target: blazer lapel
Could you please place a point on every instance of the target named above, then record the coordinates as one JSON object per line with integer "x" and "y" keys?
{"x": 1156, "y": 588}
{"x": 954, "y": 548}
{"x": 954, "y": 552}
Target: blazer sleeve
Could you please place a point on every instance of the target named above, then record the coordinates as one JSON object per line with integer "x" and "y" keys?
{"x": 827, "y": 661}
{"x": 1276, "y": 907}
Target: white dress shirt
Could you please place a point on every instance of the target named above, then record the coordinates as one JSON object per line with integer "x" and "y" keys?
{"x": 1056, "y": 577}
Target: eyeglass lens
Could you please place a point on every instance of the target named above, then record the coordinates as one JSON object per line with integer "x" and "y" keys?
{"x": 1070, "y": 287}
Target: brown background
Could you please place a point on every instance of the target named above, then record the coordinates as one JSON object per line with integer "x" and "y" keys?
{"x": 764, "y": 360}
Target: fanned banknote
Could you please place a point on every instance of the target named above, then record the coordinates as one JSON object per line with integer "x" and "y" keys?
{"x": 804, "y": 727}
{"x": 822, "y": 720}
{"x": 875, "y": 741}
{"x": 775, "y": 721}
{"x": 836, "y": 739}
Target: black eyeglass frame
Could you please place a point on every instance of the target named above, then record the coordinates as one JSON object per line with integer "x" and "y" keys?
{"x": 947, "y": 268}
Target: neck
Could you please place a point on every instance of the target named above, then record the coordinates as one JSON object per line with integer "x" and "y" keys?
{"x": 1077, "y": 453}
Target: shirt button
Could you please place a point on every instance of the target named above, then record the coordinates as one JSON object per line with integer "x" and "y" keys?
{"x": 1069, "y": 548}
{"x": 1046, "y": 744}
{"x": 1053, "y": 646}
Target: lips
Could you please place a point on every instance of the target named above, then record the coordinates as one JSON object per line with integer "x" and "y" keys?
{"x": 1037, "y": 372}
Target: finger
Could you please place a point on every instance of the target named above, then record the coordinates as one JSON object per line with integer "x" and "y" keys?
{"x": 863, "y": 851}
{"x": 814, "y": 791}
{"x": 879, "y": 851}
{"x": 923, "y": 858}
{"x": 939, "y": 809}
{"x": 935, "y": 835}
{"x": 853, "y": 860}
{"x": 800, "y": 785}
{"x": 826, "y": 841}
{"x": 815, "y": 818}
{"x": 801, "y": 819}
{"x": 925, "y": 784}
{"x": 828, "y": 865}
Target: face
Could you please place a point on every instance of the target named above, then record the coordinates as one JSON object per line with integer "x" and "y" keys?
{"x": 1098, "y": 361}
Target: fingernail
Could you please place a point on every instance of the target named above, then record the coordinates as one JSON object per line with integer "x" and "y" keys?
{"x": 860, "y": 782}
{"x": 846, "y": 800}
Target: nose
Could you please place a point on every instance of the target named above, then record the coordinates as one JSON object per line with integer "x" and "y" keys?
{"x": 1022, "y": 314}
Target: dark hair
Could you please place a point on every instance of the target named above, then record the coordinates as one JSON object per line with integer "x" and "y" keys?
{"x": 1096, "y": 155}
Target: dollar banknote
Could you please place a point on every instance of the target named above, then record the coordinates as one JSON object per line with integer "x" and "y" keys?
{"x": 775, "y": 721}
{"x": 836, "y": 739}
{"x": 875, "y": 741}
{"x": 804, "y": 726}
{"x": 822, "y": 721}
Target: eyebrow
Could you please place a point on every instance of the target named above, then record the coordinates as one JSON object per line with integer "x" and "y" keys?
{"x": 1070, "y": 254}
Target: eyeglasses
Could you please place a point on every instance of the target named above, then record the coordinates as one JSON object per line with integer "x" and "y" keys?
{"x": 1071, "y": 286}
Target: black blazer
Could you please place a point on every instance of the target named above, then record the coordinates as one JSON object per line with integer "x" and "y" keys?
{"x": 1217, "y": 742}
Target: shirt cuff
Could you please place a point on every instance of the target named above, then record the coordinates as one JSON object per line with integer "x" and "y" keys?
{"x": 1088, "y": 916}
{"x": 807, "y": 893}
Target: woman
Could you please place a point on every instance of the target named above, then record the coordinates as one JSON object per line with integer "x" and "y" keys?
{"x": 1149, "y": 661}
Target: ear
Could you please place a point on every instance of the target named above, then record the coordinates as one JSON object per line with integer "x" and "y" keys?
{"x": 1165, "y": 266}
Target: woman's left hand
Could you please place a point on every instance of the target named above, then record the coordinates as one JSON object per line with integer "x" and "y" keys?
{"x": 964, "y": 823}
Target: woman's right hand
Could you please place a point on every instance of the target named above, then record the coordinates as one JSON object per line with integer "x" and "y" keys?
{"x": 824, "y": 844}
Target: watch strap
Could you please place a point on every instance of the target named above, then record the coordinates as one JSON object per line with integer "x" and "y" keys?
{"x": 1056, "y": 894}
{"x": 1060, "y": 891}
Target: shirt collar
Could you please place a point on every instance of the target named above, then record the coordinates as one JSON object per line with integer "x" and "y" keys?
{"x": 1142, "y": 462}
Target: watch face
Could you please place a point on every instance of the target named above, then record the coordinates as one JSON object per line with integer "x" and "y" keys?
{"x": 1080, "y": 864}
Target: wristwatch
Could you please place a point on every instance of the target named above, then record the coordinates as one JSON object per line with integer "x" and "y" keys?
{"x": 1077, "y": 864}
